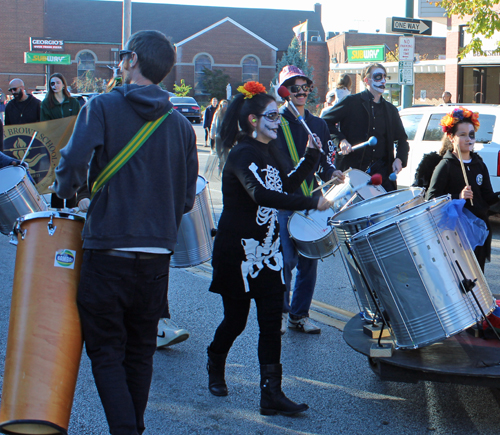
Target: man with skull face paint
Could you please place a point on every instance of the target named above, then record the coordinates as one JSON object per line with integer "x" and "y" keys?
{"x": 358, "y": 117}
{"x": 23, "y": 108}
{"x": 296, "y": 311}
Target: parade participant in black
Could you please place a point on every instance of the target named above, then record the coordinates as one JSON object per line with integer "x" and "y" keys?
{"x": 358, "y": 117}
{"x": 23, "y": 108}
{"x": 208, "y": 117}
{"x": 292, "y": 140}
{"x": 247, "y": 258}
{"x": 132, "y": 222}
{"x": 460, "y": 127}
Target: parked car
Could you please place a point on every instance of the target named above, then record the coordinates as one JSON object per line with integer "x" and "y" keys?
{"x": 188, "y": 107}
{"x": 425, "y": 134}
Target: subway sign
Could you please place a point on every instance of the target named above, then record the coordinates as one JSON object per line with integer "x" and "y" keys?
{"x": 47, "y": 58}
{"x": 369, "y": 53}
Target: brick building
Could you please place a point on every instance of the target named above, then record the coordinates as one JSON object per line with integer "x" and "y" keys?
{"x": 473, "y": 77}
{"x": 429, "y": 66}
{"x": 244, "y": 43}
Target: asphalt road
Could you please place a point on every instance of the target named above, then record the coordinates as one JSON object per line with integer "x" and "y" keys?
{"x": 344, "y": 395}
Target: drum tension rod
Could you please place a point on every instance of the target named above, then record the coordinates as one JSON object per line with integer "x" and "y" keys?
{"x": 51, "y": 228}
{"x": 468, "y": 285}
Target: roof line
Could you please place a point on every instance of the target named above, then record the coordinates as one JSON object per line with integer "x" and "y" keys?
{"x": 218, "y": 23}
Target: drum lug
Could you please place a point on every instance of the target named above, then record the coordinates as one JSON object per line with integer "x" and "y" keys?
{"x": 51, "y": 228}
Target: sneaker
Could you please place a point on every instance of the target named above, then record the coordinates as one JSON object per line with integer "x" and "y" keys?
{"x": 284, "y": 321}
{"x": 303, "y": 325}
{"x": 169, "y": 333}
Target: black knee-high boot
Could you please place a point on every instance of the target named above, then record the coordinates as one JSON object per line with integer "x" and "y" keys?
{"x": 216, "y": 366}
{"x": 272, "y": 399}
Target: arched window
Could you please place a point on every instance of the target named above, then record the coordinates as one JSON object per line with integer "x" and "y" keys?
{"x": 85, "y": 63}
{"x": 201, "y": 62}
{"x": 250, "y": 69}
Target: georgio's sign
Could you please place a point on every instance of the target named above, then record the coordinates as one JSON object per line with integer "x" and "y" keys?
{"x": 46, "y": 44}
{"x": 47, "y": 58}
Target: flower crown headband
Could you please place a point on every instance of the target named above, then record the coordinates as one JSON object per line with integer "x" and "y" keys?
{"x": 459, "y": 114}
{"x": 250, "y": 89}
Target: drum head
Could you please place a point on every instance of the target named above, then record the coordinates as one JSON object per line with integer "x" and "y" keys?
{"x": 310, "y": 227}
{"x": 404, "y": 216}
{"x": 201, "y": 183}
{"x": 10, "y": 176}
{"x": 377, "y": 205}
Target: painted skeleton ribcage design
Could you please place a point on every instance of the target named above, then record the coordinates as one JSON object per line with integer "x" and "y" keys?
{"x": 258, "y": 255}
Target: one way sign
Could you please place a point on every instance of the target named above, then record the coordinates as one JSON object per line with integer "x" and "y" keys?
{"x": 408, "y": 25}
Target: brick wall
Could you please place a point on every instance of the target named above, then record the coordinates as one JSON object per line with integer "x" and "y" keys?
{"x": 433, "y": 84}
{"x": 20, "y": 20}
{"x": 317, "y": 57}
{"x": 227, "y": 44}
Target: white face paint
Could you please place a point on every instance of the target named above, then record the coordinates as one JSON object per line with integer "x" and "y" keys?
{"x": 376, "y": 81}
{"x": 267, "y": 130}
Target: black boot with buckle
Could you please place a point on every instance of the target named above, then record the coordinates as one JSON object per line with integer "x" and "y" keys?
{"x": 272, "y": 399}
{"x": 216, "y": 366}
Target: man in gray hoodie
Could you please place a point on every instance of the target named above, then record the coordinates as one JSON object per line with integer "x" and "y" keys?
{"x": 132, "y": 223}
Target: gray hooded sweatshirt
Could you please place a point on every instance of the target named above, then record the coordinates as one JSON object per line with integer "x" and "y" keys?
{"x": 143, "y": 203}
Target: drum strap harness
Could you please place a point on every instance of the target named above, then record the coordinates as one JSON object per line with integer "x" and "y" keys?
{"x": 115, "y": 164}
{"x": 306, "y": 189}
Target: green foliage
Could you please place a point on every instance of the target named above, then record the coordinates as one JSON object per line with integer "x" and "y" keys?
{"x": 182, "y": 90}
{"x": 293, "y": 56}
{"x": 215, "y": 82}
{"x": 88, "y": 83}
{"x": 484, "y": 20}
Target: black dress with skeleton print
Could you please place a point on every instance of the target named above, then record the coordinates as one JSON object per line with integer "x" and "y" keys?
{"x": 247, "y": 259}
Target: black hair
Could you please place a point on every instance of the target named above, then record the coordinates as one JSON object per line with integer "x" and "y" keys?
{"x": 155, "y": 53}
{"x": 50, "y": 94}
{"x": 237, "y": 115}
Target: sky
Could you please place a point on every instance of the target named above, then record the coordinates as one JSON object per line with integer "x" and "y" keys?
{"x": 337, "y": 15}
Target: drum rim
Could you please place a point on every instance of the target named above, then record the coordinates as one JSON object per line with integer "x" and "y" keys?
{"x": 21, "y": 179}
{"x": 298, "y": 212}
{"x": 380, "y": 226}
{"x": 48, "y": 214}
{"x": 336, "y": 223}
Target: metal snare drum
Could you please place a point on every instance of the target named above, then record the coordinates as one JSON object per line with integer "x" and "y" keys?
{"x": 311, "y": 233}
{"x": 417, "y": 269}
{"x": 362, "y": 215}
{"x": 18, "y": 196}
{"x": 195, "y": 238}
{"x": 341, "y": 194}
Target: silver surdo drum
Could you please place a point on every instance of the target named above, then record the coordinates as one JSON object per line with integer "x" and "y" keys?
{"x": 18, "y": 196}
{"x": 195, "y": 239}
{"x": 362, "y": 215}
{"x": 418, "y": 268}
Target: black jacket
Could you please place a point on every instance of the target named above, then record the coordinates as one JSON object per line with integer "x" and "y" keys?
{"x": 352, "y": 120}
{"x": 24, "y": 112}
{"x": 324, "y": 168}
{"x": 448, "y": 178}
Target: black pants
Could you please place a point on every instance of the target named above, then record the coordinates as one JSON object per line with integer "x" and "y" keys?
{"x": 120, "y": 301}
{"x": 56, "y": 202}
{"x": 235, "y": 319}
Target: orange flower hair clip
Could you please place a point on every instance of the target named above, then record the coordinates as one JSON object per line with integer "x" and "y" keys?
{"x": 459, "y": 114}
{"x": 250, "y": 89}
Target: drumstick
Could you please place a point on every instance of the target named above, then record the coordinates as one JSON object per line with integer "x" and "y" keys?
{"x": 459, "y": 152}
{"x": 304, "y": 216}
{"x": 29, "y": 146}
{"x": 330, "y": 181}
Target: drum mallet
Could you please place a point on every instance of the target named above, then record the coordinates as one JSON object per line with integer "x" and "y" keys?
{"x": 375, "y": 180}
{"x": 285, "y": 94}
{"x": 29, "y": 146}
{"x": 370, "y": 142}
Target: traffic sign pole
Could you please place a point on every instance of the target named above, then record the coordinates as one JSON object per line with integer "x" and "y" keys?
{"x": 407, "y": 99}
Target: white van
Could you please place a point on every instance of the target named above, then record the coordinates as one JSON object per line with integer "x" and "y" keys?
{"x": 425, "y": 134}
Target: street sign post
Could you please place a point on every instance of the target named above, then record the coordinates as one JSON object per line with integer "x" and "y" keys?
{"x": 405, "y": 73}
{"x": 408, "y": 25}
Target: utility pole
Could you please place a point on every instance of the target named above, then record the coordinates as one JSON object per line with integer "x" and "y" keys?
{"x": 127, "y": 21}
{"x": 407, "y": 90}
